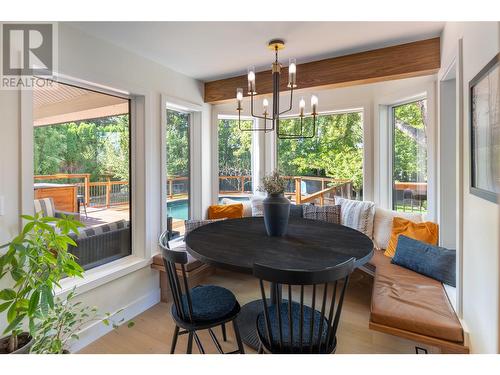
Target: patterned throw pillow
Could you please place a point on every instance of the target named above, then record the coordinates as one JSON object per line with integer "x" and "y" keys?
{"x": 257, "y": 205}
{"x": 330, "y": 214}
{"x": 193, "y": 224}
{"x": 357, "y": 214}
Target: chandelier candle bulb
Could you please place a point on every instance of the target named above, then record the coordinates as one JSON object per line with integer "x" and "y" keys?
{"x": 314, "y": 104}
{"x": 292, "y": 73}
{"x": 302, "y": 106}
{"x": 251, "y": 79}
{"x": 239, "y": 97}
{"x": 265, "y": 105}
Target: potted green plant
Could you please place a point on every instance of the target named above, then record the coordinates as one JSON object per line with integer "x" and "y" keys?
{"x": 36, "y": 260}
{"x": 61, "y": 326}
{"x": 276, "y": 205}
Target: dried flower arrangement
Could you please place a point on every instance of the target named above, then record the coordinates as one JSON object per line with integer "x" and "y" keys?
{"x": 273, "y": 183}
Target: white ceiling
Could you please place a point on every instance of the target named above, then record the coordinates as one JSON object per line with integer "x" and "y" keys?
{"x": 212, "y": 50}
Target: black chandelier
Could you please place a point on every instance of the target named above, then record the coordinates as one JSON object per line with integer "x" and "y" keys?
{"x": 274, "y": 117}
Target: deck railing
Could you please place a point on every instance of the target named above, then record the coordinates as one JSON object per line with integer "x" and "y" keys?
{"x": 107, "y": 193}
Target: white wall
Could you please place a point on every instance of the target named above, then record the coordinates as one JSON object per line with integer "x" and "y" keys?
{"x": 369, "y": 98}
{"x": 481, "y": 255}
{"x": 87, "y": 58}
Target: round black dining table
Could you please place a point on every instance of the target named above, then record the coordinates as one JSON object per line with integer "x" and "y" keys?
{"x": 237, "y": 244}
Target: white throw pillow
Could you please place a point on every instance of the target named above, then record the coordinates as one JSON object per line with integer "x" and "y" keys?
{"x": 247, "y": 205}
{"x": 382, "y": 224}
{"x": 357, "y": 214}
{"x": 257, "y": 205}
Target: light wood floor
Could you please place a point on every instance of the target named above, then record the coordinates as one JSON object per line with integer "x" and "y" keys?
{"x": 153, "y": 329}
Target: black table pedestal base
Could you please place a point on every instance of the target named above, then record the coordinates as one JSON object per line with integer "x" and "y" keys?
{"x": 247, "y": 323}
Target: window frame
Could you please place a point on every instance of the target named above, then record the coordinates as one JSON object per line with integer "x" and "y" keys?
{"x": 141, "y": 245}
{"x": 195, "y": 186}
{"x": 391, "y": 151}
{"x": 190, "y": 131}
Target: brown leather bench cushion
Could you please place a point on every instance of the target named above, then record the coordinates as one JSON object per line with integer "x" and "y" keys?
{"x": 412, "y": 302}
{"x": 191, "y": 265}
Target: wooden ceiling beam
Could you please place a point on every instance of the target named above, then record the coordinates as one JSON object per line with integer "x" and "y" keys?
{"x": 384, "y": 64}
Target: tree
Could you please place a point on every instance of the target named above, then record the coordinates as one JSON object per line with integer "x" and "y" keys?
{"x": 235, "y": 156}
{"x": 99, "y": 147}
{"x": 177, "y": 143}
{"x": 336, "y": 151}
{"x": 410, "y": 142}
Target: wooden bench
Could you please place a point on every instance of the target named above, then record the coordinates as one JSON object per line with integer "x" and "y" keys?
{"x": 415, "y": 307}
{"x": 196, "y": 271}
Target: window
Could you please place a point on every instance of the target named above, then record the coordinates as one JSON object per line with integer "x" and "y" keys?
{"x": 235, "y": 159}
{"x": 331, "y": 162}
{"x": 409, "y": 161}
{"x": 178, "y": 169}
{"x": 82, "y": 167}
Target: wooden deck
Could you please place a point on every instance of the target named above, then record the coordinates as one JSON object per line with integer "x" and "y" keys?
{"x": 99, "y": 216}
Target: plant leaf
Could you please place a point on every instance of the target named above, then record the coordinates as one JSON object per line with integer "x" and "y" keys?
{"x": 7, "y": 294}
{"x": 13, "y": 325}
{"x": 33, "y": 304}
{"x": 5, "y": 306}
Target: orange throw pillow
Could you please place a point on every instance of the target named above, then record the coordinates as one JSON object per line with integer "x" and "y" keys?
{"x": 426, "y": 232}
{"x": 225, "y": 211}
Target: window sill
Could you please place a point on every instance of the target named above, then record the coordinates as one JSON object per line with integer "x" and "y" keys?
{"x": 103, "y": 274}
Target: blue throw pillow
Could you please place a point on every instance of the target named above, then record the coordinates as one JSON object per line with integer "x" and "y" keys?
{"x": 432, "y": 261}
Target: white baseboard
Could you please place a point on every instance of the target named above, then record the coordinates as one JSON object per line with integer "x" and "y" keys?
{"x": 98, "y": 329}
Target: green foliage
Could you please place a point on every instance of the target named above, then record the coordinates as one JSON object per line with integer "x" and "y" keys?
{"x": 36, "y": 260}
{"x": 99, "y": 147}
{"x": 177, "y": 144}
{"x": 336, "y": 151}
{"x": 235, "y": 148}
{"x": 410, "y": 151}
{"x": 63, "y": 322}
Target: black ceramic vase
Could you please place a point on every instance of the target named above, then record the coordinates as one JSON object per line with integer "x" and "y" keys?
{"x": 276, "y": 213}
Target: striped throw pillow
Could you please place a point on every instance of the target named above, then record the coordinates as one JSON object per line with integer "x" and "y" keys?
{"x": 105, "y": 228}
{"x": 357, "y": 215}
{"x": 45, "y": 206}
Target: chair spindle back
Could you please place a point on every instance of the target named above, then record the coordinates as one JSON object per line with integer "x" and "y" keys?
{"x": 328, "y": 285}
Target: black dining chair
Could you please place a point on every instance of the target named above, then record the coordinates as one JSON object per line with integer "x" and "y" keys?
{"x": 199, "y": 308}
{"x": 286, "y": 326}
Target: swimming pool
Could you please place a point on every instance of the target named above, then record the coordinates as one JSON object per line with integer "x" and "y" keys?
{"x": 179, "y": 209}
